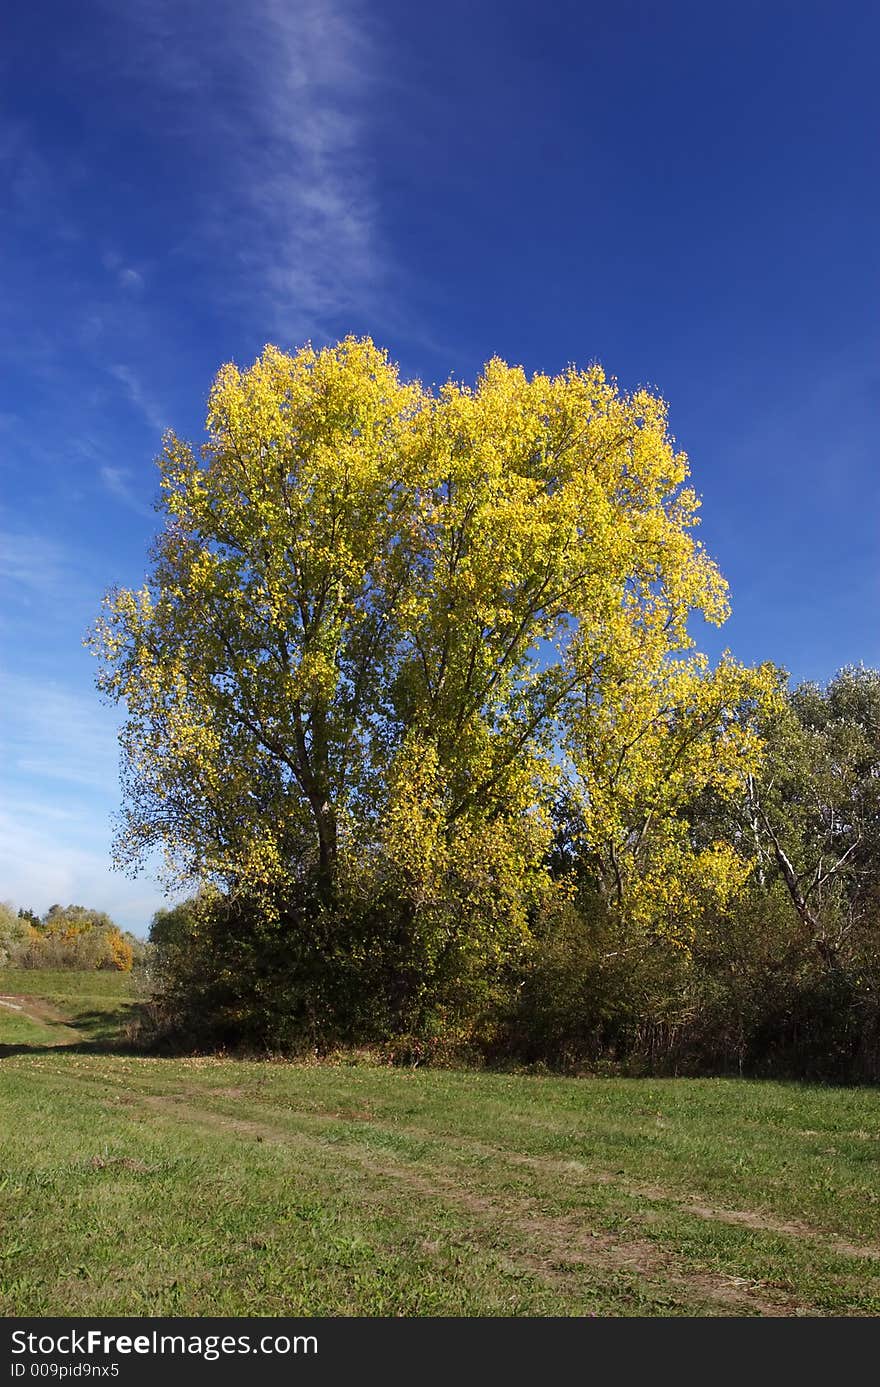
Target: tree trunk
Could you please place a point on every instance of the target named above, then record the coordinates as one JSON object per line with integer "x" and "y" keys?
{"x": 826, "y": 951}
{"x": 325, "y": 821}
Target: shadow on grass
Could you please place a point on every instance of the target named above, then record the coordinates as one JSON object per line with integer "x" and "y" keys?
{"x": 105, "y": 1032}
{"x": 104, "y": 1027}
{"x": 122, "y": 1032}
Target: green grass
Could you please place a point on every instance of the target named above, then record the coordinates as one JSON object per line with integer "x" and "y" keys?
{"x": 96, "y": 1004}
{"x": 19, "y": 1029}
{"x": 148, "y": 1186}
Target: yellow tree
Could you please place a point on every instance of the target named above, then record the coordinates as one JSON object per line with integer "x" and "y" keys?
{"x": 667, "y": 737}
{"x": 380, "y": 619}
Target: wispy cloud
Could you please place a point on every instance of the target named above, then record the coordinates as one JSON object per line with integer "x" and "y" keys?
{"x": 130, "y": 279}
{"x": 58, "y": 795}
{"x": 139, "y": 397}
{"x": 29, "y": 560}
{"x": 49, "y": 592}
{"x": 275, "y": 93}
{"x": 126, "y": 276}
{"x": 34, "y": 563}
{"x": 44, "y": 859}
{"x": 53, "y": 733}
{"x": 36, "y": 189}
{"x": 118, "y": 481}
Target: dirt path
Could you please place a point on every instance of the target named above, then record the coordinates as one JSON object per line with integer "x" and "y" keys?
{"x": 569, "y": 1170}
{"x": 548, "y": 1245}
{"x": 42, "y": 1013}
{"x": 578, "y": 1172}
{"x": 520, "y": 1226}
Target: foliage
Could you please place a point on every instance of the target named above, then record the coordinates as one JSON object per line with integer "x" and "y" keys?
{"x": 13, "y": 931}
{"x": 70, "y": 936}
{"x": 782, "y": 975}
{"x": 383, "y": 626}
{"x": 815, "y": 808}
{"x": 666, "y": 734}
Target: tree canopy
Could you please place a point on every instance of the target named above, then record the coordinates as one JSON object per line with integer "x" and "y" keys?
{"x": 71, "y": 936}
{"x": 387, "y": 628}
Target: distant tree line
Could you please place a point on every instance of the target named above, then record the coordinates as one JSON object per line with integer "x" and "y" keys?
{"x": 70, "y": 936}
{"x": 411, "y": 696}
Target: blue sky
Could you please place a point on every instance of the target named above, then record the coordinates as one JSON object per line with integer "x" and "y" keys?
{"x": 689, "y": 193}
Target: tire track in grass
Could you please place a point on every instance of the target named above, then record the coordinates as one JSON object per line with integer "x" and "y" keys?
{"x": 567, "y": 1167}
{"x": 181, "y": 1102}
{"x": 42, "y": 1014}
{"x": 547, "y": 1244}
{"x": 744, "y": 1218}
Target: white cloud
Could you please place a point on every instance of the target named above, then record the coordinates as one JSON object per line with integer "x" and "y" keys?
{"x": 130, "y": 279}
{"x": 273, "y": 93}
{"x": 118, "y": 481}
{"x": 28, "y": 560}
{"x": 54, "y": 733}
{"x": 139, "y": 397}
{"x": 126, "y": 276}
{"x": 41, "y": 863}
{"x": 36, "y": 564}
{"x": 58, "y": 794}
{"x": 49, "y": 591}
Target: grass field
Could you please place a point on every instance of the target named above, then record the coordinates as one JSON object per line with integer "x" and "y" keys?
{"x": 61, "y": 1006}
{"x": 148, "y": 1186}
